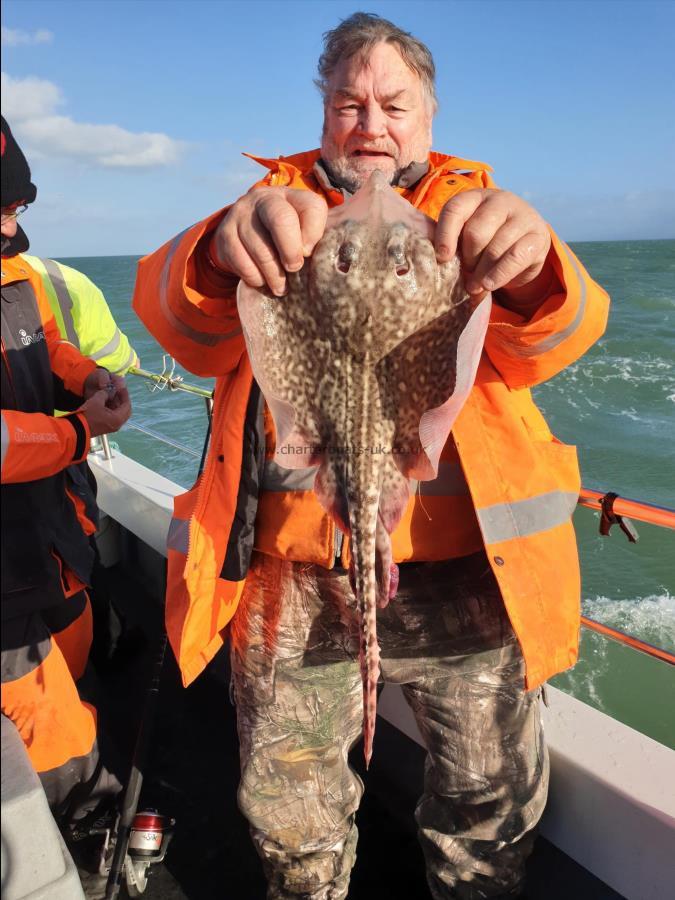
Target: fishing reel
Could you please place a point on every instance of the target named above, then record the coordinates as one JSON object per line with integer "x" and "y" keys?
{"x": 149, "y": 839}
{"x": 148, "y": 842}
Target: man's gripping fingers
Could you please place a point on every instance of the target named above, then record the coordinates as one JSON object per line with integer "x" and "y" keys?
{"x": 456, "y": 212}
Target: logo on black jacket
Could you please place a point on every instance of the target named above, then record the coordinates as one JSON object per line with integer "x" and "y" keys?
{"x": 28, "y": 339}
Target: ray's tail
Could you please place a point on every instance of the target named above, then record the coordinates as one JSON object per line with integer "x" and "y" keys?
{"x": 365, "y": 583}
{"x": 364, "y": 498}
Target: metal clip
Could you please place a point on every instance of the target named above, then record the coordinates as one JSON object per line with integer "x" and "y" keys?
{"x": 167, "y": 378}
{"x": 608, "y": 518}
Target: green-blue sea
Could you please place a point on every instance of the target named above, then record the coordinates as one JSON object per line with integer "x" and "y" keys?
{"x": 617, "y": 404}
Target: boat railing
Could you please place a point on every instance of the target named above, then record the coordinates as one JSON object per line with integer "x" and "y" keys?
{"x": 177, "y": 445}
{"x": 613, "y": 508}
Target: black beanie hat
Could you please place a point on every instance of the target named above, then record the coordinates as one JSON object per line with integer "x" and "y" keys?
{"x": 17, "y": 187}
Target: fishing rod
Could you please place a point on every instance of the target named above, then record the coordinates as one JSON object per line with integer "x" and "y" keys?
{"x": 169, "y": 379}
{"x": 141, "y": 839}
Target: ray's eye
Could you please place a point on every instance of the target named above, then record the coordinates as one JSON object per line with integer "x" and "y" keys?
{"x": 346, "y": 256}
{"x": 398, "y": 257}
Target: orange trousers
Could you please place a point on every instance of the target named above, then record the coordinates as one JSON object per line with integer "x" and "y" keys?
{"x": 44, "y": 656}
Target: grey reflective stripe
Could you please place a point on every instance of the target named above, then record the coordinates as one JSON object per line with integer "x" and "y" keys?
{"x": 200, "y": 337}
{"x": 128, "y": 362}
{"x": 64, "y": 298}
{"x": 506, "y": 521}
{"x": 5, "y": 441}
{"x": 112, "y": 345}
{"x": 177, "y": 538}
{"x": 278, "y": 478}
{"x": 450, "y": 482}
{"x": 18, "y": 661}
{"x": 553, "y": 340}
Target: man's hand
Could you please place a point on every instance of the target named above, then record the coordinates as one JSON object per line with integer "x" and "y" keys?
{"x": 98, "y": 380}
{"x": 102, "y": 380}
{"x": 267, "y": 233}
{"x": 503, "y": 242}
{"x": 104, "y": 414}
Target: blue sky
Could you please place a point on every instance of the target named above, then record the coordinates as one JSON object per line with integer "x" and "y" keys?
{"x": 134, "y": 113}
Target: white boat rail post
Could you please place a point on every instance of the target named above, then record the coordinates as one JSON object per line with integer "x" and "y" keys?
{"x": 101, "y": 444}
{"x": 105, "y": 444}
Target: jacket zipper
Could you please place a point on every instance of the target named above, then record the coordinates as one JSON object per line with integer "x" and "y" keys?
{"x": 5, "y": 362}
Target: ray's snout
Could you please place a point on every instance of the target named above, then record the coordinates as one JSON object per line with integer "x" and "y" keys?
{"x": 378, "y": 181}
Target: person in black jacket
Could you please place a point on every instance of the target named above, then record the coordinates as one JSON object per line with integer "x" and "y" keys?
{"x": 46, "y": 554}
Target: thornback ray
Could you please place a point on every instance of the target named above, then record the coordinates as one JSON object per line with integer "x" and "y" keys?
{"x": 365, "y": 365}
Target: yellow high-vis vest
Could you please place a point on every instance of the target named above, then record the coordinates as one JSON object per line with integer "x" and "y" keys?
{"x": 82, "y": 315}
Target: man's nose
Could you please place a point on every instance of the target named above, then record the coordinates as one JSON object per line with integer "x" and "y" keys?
{"x": 372, "y": 122}
{"x": 9, "y": 228}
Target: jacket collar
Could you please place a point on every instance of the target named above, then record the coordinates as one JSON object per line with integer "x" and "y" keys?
{"x": 14, "y": 268}
{"x": 439, "y": 163}
{"x": 407, "y": 179}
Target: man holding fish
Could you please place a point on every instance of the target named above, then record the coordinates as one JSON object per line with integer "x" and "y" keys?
{"x": 486, "y": 607}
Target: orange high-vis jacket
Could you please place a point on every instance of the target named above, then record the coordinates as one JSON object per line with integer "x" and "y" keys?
{"x": 523, "y": 483}
{"x": 45, "y": 548}
{"x": 36, "y": 444}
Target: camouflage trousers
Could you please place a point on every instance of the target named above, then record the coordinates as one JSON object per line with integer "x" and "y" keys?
{"x": 447, "y": 641}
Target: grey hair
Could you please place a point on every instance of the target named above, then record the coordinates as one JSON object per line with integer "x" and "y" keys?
{"x": 358, "y": 34}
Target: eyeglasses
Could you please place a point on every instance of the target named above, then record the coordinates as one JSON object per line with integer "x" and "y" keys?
{"x": 8, "y": 213}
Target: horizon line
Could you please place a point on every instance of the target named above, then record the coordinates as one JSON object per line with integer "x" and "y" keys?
{"x": 139, "y": 255}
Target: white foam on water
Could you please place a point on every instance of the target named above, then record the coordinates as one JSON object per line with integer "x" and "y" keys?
{"x": 642, "y": 369}
{"x": 650, "y": 618}
{"x": 629, "y": 414}
{"x": 623, "y": 387}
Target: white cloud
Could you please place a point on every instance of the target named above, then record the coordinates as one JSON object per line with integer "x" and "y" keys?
{"x": 31, "y": 107}
{"x": 106, "y": 145}
{"x": 16, "y": 37}
{"x": 24, "y": 99}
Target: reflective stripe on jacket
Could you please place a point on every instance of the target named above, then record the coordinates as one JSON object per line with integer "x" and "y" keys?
{"x": 439, "y": 521}
{"x": 83, "y": 316}
{"x": 523, "y": 483}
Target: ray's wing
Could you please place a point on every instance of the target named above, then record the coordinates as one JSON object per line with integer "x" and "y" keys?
{"x": 426, "y": 381}
{"x": 285, "y": 348}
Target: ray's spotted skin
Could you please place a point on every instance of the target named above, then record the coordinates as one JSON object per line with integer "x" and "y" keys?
{"x": 364, "y": 373}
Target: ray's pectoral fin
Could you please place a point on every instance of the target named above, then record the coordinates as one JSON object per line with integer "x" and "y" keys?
{"x": 281, "y": 339}
{"x": 429, "y": 377}
{"x": 331, "y": 492}
{"x": 394, "y": 494}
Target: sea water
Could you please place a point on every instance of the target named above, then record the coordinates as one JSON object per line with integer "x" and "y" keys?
{"x": 616, "y": 404}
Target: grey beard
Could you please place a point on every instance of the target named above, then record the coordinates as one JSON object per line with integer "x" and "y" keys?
{"x": 350, "y": 181}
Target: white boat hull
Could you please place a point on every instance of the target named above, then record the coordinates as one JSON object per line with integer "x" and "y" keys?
{"x": 612, "y": 796}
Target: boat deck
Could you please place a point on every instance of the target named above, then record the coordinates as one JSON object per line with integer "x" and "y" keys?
{"x": 192, "y": 775}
